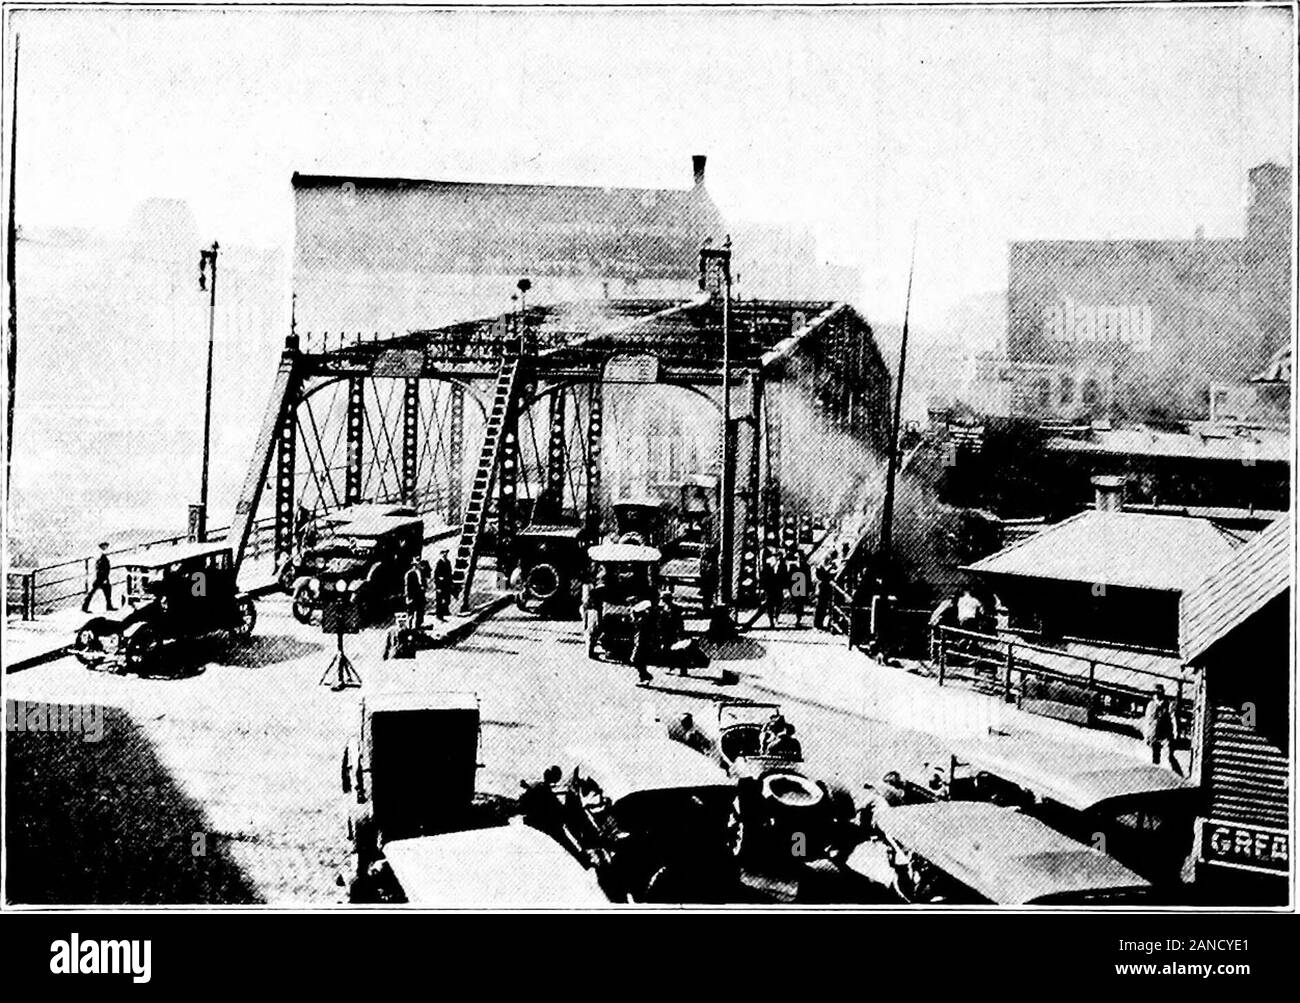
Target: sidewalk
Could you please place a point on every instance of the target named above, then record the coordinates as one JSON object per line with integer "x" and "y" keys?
{"x": 845, "y": 679}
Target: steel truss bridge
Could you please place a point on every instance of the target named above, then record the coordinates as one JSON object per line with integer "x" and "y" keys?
{"x": 521, "y": 395}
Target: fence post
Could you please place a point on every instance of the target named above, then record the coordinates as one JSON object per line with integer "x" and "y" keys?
{"x": 1006, "y": 685}
{"x": 29, "y": 595}
{"x": 1092, "y": 692}
{"x": 943, "y": 653}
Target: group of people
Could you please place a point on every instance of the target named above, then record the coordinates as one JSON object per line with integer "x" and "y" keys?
{"x": 415, "y": 588}
{"x": 789, "y": 579}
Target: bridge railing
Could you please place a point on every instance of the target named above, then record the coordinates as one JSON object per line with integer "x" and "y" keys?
{"x": 1094, "y": 692}
{"x": 40, "y": 589}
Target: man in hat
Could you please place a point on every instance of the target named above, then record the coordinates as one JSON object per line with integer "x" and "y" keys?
{"x": 1159, "y": 728}
{"x": 772, "y": 583}
{"x": 800, "y": 574}
{"x": 101, "y": 584}
{"x": 827, "y": 569}
{"x": 413, "y": 596}
{"x": 442, "y": 582}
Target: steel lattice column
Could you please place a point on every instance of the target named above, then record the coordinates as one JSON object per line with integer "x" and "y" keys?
{"x": 356, "y": 430}
{"x": 555, "y": 461}
{"x": 410, "y": 440}
{"x": 455, "y": 455}
{"x": 772, "y": 409}
{"x": 595, "y": 426}
{"x": 749, "y": 474}
{"x": 285, "y": 445}
{"x": 508, "y": 486}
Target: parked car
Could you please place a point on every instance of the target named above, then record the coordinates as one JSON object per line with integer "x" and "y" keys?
{"x": 650, "y": 818}
{"x": 973, "y": 852}
{"x": 643, "y": 520}
{"x": 174, "y": 594}
{"x": 409, "y": 771}
{"x": 552, "y": 563}
{"x": 783, "y": 815}
{"x": 1144, "y": 813}
{"x": 511, "y": 866}
{"x": 627, "y": 586}
{"x": 369, "y": 554}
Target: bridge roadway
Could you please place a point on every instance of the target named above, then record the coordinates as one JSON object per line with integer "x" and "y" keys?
{"x": 223, "y": 785}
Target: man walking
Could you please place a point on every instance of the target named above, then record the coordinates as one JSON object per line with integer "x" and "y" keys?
{"x": 801, "y": 584}
{"x": 772, "y": 582}
{"x": 1159, "y": 728}
{"x": 442, "y": 580}
{"x": 102, "y": 569}
{"x": 413, "y": 594}
{"x": 827, "y": 568}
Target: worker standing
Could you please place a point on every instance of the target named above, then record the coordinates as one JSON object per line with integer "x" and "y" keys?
{"x": 827, "y": 569}
{"x": 103, "y": 567}
{"x": 442, "y": 585}
{"x": 772, "y": 582}
{"x": 413, "y": 593}
{"x": 800, "y": 573}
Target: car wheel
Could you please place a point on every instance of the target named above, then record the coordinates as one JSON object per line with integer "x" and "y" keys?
{"x": 304, "y": 602}
{"x": 89, "y": 647}
{"x": 141, "y": 648}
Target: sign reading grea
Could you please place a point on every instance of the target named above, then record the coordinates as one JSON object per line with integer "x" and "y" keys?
{"x": 1083, "y": 323}
{"x": 1251, "y": 847}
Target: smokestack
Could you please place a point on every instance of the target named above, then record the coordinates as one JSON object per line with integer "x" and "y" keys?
{"x": 697, "y": 163}
{"x": 1110, "y": 493}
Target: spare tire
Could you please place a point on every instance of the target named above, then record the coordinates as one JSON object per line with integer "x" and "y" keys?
{"x": 542, "y": 581}
{"x": 792, "y": 791}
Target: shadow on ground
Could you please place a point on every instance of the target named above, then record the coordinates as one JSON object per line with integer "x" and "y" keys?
{"x": 104, "y": 823}
{"x": 740, "y": 649}
{"x": 270, "y": 649}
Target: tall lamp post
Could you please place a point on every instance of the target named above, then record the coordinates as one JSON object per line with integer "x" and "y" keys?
{"x": 208, "y": 281}
{"x": 712, "y": 258}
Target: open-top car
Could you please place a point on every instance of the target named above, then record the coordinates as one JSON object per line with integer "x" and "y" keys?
{"x": 173, "y": 594}
{"x": 626, "y": 589}
{"x": 369, "y": 554}
{"x": 552, "y": 563}
{"x": 973, "y": 852}
{"x": 650, "y": 818}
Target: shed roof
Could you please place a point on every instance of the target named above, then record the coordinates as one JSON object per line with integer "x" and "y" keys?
{"x": 1255, "y": 574}
{"x": 1158, "y": 552}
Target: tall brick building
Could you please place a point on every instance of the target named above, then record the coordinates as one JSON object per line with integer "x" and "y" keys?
{"x": 1140, "y": 329}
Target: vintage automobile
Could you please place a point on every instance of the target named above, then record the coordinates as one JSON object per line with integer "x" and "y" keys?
{"x": 696, "y": 532}
{"x": 649, "y": 817}
{"x": 409, "y": 771}
{"x": 973, "y": 852}
{"x": 782, "y": 816}
{"x": 1144, "y": 813}
{"x": 173, "y": 594}
{"x": 643, "y": 520}
{"x": 511, "y": 866}
{"x": 552, "y": 563}
{"x": 369, "y": 554}
{"x": 627, "y": 583}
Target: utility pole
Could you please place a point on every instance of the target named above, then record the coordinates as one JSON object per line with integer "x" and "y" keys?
{"x": 887, "y": 516}
{"x": 710, "y": 256}
{"x": 207, "y": 280}
{"x": 11, "y": 273}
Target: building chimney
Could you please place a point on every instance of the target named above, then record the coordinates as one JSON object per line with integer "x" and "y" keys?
{"x": 697, "y": 162}
{"x": 1110, "y": 493}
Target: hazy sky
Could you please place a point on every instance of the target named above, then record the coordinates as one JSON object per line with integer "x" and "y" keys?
{"x": 979, "y": 125}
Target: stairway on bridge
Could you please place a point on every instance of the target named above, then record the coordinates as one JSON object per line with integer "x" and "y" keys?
{"x": 504, "y": 400}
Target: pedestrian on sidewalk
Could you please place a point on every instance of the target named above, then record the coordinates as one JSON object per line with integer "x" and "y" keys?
{"x": 827, "y": 568}
{"x": 400, "y": 641}
{"x": 800, "y": 575}
{"x": 103, "y": 567}
{"x": 1160, "y": 729}
{"x": 442, "y": 585}
{"x": 772, "y": 583}
{"x": 413, "y": 593}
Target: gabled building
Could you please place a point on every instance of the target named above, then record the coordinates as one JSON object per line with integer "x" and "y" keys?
{"x": 1236, "y": 633}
